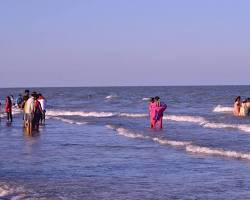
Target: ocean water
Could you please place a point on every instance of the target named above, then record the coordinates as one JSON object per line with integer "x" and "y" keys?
{"x": 97, "y": 144}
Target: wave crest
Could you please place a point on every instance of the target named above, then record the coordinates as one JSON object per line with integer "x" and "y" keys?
{"x": 177, "y": 118}
{"x": 217, "y": 152}
{"x": 223, "y": 109}
{"x": 187, "y": 146}
{"x": 69, "y": 121}
{"x": 79, "y": 113}
{"x": 111, "y": 96}
{"x": 184, "y": 118}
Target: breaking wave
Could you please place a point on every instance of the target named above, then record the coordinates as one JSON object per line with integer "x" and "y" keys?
{"x": 217, "y": 152}
{"x": 14, "y": 192}
{"x": 201, "y": 121}
{"x": 187, "y": 146}
{"x": 133, "y": 115}
{"x": 111, "y": 97}
{"x": 15, "y": 111}
{"x": 69, "y": 121}
{"x": 79, "y": 113}
{"x": 180, "y": 118}
{"x": 223, "y": 109}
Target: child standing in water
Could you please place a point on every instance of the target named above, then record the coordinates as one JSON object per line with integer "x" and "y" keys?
{"x": 8, "y": 108}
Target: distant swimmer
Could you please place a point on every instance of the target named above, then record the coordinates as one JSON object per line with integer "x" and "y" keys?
{"x": 237, "y": 105}
{"x": 156, "y": 110}
{"x": 8, "y": 108}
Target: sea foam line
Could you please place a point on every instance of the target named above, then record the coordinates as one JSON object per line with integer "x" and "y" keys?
{"x": 79, "y": 113}
{"x": 187, "y": 146}
{"x": 111, "y": 96}
{"x": 69, "y": 121}
{"x": 223, "y": 109}
{"x": 13, "y": 192}
{"x": 56, "y": 113}
{"x": 15, "y": 111}
{"x": 177, "y": 118}
{"x": 217, "y": 152}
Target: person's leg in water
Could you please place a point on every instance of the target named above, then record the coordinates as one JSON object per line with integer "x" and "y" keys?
{"x": 11, "y": 118}
{"x": 8, "y": 116}
{"x": 152, "y": 124}
{"x": 160, "y": 120}
{"x": 43, "y": 117}
{"x": 30, "y": 124}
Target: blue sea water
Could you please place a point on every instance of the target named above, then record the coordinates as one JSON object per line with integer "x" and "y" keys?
{"x": 97, "y": 144}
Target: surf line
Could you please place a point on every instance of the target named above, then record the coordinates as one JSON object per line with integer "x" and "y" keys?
{"x": 177, "y": 118}
{"x": 187, "y": 146}
{"x": 68, "y": 121}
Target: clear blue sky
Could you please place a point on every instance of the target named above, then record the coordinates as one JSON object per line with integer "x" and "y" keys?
{"x": 124, "y": 42}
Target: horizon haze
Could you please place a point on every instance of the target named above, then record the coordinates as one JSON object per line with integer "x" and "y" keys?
{"x": 124, "y": 43}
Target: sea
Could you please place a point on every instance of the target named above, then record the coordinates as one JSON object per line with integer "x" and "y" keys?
{"x": 97, "y": 144}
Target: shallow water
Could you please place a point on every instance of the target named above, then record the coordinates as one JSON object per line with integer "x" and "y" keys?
{"x": 97, "y": 145}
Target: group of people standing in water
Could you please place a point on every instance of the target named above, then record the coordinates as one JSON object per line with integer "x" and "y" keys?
{"x": 33, "y": 107}
{"x": 241, "y": 108}
{"x": 156, "y": 109}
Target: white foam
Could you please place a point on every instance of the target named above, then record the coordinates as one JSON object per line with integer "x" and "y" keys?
{"x": 15, "y": 111}
{"x": 170, "y": 142}
{"x": 111, "y": 96}
{"x": 4, "y": 191}
{"x": 241, "y": 127}
{"x": 206, "y": 124}
{"x": 132, "y": 134}
{"x": 79, "y": 113}
{"x": 129, "y": 134}
{"x": 69, "y": 121}
{"x": 133, "y": 115}
{"x": 188, "y": 146}
{"x": 15, "y": 193}
{"x": 244, "y": 127}
{"x": 54, "y": 113}
{"x": 146, "y": 99}
{"x": 223, "y": 109}
{"x": 217, "y": 152}
{"x": 183, "y": 118}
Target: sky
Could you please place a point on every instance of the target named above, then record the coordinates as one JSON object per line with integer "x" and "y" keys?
{"x": 124, "y": 42}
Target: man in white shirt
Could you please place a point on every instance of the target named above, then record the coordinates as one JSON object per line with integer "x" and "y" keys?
{"x": 29, "y": 112}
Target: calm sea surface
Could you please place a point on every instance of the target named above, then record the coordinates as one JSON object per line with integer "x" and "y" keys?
{"x": 96, "y": 144}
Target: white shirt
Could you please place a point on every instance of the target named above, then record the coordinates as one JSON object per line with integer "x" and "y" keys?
{"x": 43, "y": 103}
{"x": 29, "y": 106}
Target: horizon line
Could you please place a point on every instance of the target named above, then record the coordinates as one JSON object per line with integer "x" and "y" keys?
{"x": 96, "y": 86}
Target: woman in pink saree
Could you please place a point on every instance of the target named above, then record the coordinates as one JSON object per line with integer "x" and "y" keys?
{"x": 152, "y": 112}
{"x": 156, "y": 110}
